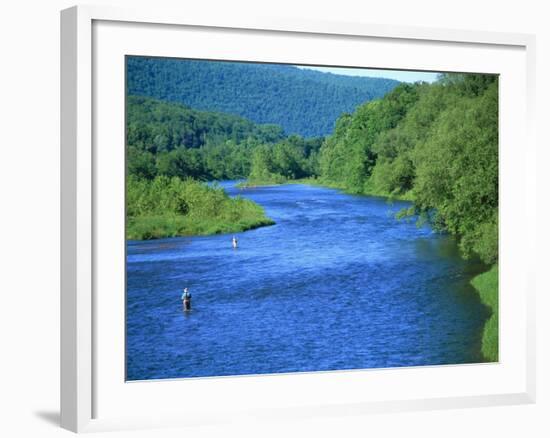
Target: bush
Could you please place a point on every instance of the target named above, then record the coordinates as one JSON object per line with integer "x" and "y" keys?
{"x": 169, "y": 207}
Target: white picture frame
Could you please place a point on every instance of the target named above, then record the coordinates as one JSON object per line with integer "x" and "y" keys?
{"x": 90, "y": 34}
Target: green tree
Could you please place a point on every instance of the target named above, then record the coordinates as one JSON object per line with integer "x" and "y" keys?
{"x": 457, "y": 173}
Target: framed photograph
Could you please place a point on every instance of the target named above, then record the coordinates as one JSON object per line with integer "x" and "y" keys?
{"x": 277, "y": 219}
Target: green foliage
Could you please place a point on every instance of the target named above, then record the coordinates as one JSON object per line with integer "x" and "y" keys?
{"x": 436, "y": 144}
{"x": 291, "y": 159}
{"x": 349, "y": 156}
{"x": 304, "y": 102}
{"x": 487, "y": 286}
{"x": 141, "y": 163}
{"x": 457, "y": 172}
{"x": 181, "y": 163}
{"x": 169, "y": 207}
{"x": 157, "y": 127}
{"x": 394, "y": 172}
{"x": 465, "y": 84}
{"x": 263, "y": 169}
{"x": 173, "y": 140}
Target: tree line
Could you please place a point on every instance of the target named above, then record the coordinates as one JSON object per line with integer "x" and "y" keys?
{"x": 167, "y": 139}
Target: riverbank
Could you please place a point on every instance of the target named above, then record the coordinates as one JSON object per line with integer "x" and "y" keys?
{"x": 276, "y": 181}
{"x": 171, "y": 207}
{"x": 158, "y": 227}
{"x": 487, "y": 286}
{"x": 367, "y": 191}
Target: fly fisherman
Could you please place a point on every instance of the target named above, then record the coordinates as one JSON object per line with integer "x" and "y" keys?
{"x": 186, "y": 298}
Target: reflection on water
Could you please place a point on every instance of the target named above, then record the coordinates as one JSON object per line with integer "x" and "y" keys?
{"x": 337, "y": 283}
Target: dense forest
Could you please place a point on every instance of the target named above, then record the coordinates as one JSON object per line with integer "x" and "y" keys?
{"x": 167, "y": 139}
{"x": 301, "y": 101}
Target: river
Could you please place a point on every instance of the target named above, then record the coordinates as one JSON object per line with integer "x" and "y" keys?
{"x": 338, "y": 283}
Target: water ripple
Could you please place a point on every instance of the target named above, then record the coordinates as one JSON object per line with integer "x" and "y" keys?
{"x": 338, "y": 283}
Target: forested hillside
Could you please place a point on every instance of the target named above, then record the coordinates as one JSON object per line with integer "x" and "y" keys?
{"x": 173, "y": 140}
{"x": 303, "y": 102}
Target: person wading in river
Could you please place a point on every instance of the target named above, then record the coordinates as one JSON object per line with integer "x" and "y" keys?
{"x": 234, "y": 242}
{"x": 186, "y": 298}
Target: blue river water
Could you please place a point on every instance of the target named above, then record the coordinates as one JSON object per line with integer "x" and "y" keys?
{"x": 338, "y": 283}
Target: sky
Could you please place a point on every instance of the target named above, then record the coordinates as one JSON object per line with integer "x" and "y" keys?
{"x": 400, "y": 75}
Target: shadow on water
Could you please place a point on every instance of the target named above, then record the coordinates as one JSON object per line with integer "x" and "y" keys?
{"x": 443, "y": 247}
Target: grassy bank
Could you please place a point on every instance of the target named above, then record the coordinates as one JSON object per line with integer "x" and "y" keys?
{"x": 487, "y": 286}
{"x": 158, "y": 227}
{"x": 171, "y": 207}
{"x": 367, "y": 190}
{"x": 272, "y": 180}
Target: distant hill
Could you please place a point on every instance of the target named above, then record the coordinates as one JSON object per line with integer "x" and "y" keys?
{"x": 157, "y": 126}
{"x": 304, "y": 102}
